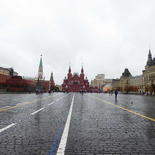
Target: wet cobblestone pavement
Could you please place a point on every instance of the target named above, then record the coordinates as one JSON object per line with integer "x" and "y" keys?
{"x": 33, "y": 124}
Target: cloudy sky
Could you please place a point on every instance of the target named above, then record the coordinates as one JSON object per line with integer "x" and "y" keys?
{"x": 107, "y": 36}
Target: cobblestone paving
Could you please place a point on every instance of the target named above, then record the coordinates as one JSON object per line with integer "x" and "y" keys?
{"x": 32, "y": 134}
{"x": 97, "y": 127}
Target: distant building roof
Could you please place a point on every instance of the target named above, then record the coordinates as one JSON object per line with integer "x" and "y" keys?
{"x": 126, "y": 72}
{"x": 75, "y": 73}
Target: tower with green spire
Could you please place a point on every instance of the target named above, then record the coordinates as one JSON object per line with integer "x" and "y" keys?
{"x": 40, "y": 71}
{"x": 51, "y": 78}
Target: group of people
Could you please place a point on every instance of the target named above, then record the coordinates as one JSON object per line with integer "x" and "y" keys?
{"x": 39, "y": 91}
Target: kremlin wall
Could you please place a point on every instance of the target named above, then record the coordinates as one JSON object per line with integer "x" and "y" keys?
{"x": 10, "y": 81}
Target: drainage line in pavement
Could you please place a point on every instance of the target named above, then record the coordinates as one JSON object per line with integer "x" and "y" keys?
{"x": 55, "y": 141}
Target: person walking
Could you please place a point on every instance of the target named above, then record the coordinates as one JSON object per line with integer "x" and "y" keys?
{"x": 116, "y": 93}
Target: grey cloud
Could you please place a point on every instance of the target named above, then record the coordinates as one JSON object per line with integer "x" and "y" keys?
{"x": 105, "y": 35}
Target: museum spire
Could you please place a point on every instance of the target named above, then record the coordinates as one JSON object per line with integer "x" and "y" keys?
{"x": 69, "y": 71}
{"x": 82, "y": 70}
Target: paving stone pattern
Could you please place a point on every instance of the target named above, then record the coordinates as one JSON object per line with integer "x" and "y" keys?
{"x": 99, "y": 128}
{"x": 96, "y": 128}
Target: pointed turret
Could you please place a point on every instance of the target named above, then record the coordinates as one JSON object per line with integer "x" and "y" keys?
{"x": 41, "y": 64}
{"x": 51, "y": 82}
{"x": 69, "y": 70}
{"x": 51, "y": 78}
{"x": 82, "y": 70}
{"x": 40, "y": 71}
{"x": 69, "y": 73}
{"x": 149, "y": 60}
{"x": 82, "y": 75}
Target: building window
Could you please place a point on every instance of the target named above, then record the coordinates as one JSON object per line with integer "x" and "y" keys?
{"x": 75, "y": 82}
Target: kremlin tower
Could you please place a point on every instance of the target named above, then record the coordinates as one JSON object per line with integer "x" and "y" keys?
{"x": 40, "y": 71}
{"x": 41, "y": 82}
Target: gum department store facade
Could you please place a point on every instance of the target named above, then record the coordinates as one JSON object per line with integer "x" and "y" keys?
{"x": 144, "y": 83}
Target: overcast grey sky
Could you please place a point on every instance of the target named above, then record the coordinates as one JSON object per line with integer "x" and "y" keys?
{"x": 107, "y": 36}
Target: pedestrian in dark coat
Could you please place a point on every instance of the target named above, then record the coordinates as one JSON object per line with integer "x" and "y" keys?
{"x": 116, "y": 92}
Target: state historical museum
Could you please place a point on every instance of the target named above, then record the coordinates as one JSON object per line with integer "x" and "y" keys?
{"x": 75, "y": 82}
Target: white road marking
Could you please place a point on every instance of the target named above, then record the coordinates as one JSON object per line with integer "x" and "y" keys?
{"x": 56, "y": 100}
{"x": 37, "y": 111}
{"x": 9, "y": 126}
{"x": 63, "y": 96}
{"x": 62, "y": 145}
{"x": 5, "y": 107}
{"x": 51, "y": 103}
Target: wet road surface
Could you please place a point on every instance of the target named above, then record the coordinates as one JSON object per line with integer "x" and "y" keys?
{"x": 75, "y": 124}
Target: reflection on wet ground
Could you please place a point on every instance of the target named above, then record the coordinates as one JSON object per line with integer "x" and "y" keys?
{"x": 99, "y": 123}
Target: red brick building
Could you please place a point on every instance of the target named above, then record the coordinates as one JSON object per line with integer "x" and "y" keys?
{"x": 3, "y": 78}
{"x": 75, "y": 82}
{"x": 17, "y": 84}
{"x": 11, "y": 82}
